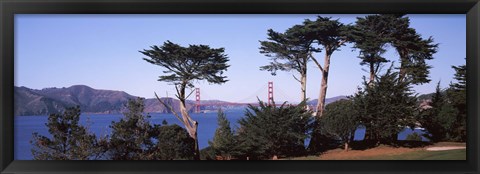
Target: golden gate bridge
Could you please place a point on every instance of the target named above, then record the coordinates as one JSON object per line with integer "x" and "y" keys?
{"x": 270, "y": 99}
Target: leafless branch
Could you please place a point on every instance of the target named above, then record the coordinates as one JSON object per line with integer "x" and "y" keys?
{"x": 316, "y": 62}
{"x": 296, "y": 78}
{"x": 178, "y": 92}
{"x": 189, "y": 94}
{"x": 169, "y": 107}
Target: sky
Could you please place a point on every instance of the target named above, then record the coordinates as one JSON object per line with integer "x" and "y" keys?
{"x": 102, "y": 51}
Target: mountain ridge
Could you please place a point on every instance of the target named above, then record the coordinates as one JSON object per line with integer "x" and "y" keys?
{"x": 95, "y": 101}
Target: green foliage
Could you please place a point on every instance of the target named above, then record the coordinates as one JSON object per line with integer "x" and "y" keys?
{"x": 414, "y": 137}
{"x": 207, "y": 153}
{"x": 461, "y": 77}
{"x": 134, "y": 138}
{"x": 370, "y": 36}
{"x": 458, "y": 99}
{"x": 386, "y": 106}
{"x": 289, "y": 50}
{"x": 372, "y": 32}
{"x": 131, "y": 137}
{"x": 412, "y": 48}
{"x": 267, "y": 131}
{"x": 173, "y": 142}
{"x": 340, "y": 120}
{"x": 224, "y": 143}
{"x": 446, "y": 119}
{"x": 69, "y": 140}
{"x": 331, "y": 34}
{"x": 436, "y": 118}
{"x": 184, "y": 64}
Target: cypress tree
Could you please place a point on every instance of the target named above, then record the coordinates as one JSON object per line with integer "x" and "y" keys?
{"x": 223, "y": 142}
{"x": 268, "y": 131}
{"x": 387, "y": 106}
{"x": 131, "y": 137}
{"x": 340, "y": 120}
{"x": 289, "y": 51}
{"x": 183, "y": 66}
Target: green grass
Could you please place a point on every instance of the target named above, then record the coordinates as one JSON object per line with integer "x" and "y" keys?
{"x": 460, "y": 154}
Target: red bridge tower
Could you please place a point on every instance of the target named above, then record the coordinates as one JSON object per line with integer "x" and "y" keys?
{"x": 270, "y": 93}
{"x": 197, "y": 97}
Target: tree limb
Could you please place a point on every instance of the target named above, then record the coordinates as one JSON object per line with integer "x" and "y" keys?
{"x": 342, "y": 42}
{"x": 169, "y": 107}
{"x": 178, "y": 92}
{"x": 192, "y": 122}
{"x": 296, "y": 78}
{"x": 189, "y": 94}
{"x": 316, "y": 62}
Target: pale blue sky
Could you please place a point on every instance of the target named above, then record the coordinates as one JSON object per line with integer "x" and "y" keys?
{"x": 101, "y": 51}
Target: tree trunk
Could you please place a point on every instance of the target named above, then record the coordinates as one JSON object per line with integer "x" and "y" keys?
{"x": 304, "y": 87}
{"x": 403, "y": 53}
{"x": 323, "y": 87}
{"x": 372, "y": 73}
{"x": 191, "y": 127}
{"x": 190, "y": 124}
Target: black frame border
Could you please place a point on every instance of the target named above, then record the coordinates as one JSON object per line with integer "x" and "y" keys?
{"x": 8, "y": 8}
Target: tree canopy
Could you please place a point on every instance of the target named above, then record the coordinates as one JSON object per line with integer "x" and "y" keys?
{"x": 267, "y": 131}
{"x": 289, "y": 51}
{"x": 371, "y": 36}
{"x": 224, "y": 143}
{"x": 185, "y": 64}
{"x": 412, "y": 48}
{"x": 340, "y": 120}
{"x": 131, "y": 137}
{"x": 69, "y": 140}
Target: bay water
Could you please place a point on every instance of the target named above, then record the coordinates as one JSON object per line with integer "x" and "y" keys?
{"x": 98, "y": 124}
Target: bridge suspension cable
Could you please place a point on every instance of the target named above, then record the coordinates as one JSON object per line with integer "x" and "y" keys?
{"x": 266, "y": 87}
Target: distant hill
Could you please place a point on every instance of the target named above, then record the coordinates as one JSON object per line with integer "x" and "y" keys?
{"x": 28, "y": 102}
{"x": 426, "y": 96}
{"x": 327, "y": 100}
{"x": 53, "y": 100}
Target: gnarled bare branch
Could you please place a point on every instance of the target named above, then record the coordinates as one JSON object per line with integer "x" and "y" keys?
{"x": 169, "y": 107}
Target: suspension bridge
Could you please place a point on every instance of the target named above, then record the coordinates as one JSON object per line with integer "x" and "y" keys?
{"x": 200, "y": 105}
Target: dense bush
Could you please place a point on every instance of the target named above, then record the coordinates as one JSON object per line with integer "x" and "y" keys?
{"x": 132, "y": 138}
{"x": 267, "y": 131}
{"x": 340, "y": 120}
{"x": 173, "y": 142}
{"x": 386, "y": 106}
{"x": 445, "y": 120}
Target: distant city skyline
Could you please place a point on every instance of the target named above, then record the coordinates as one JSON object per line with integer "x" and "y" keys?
{"x": 101, "y": 51}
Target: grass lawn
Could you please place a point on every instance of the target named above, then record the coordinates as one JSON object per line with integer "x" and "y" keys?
{"x": 460, "y": 154}
{"x": 389, "y": 153}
